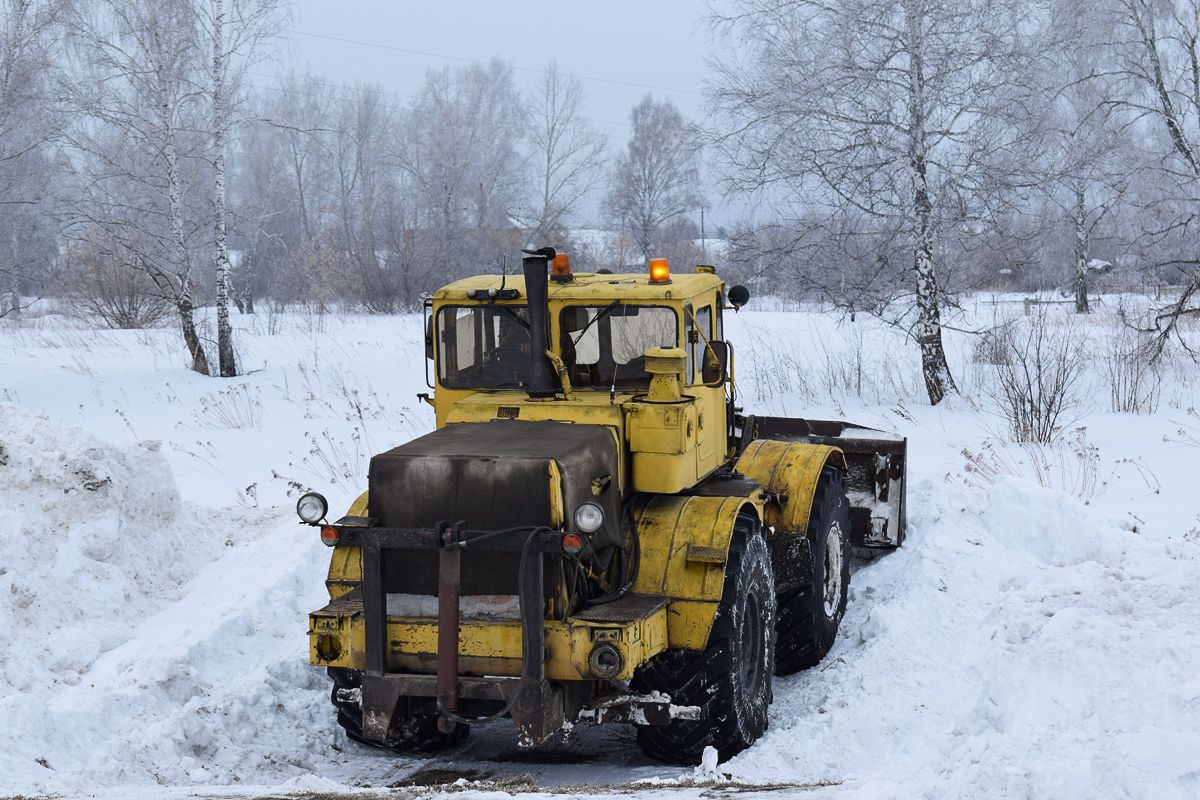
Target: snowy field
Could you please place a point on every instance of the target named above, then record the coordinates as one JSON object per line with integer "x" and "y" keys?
{"x": 1038, "y": 636}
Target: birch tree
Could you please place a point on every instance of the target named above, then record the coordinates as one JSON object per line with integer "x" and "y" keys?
{"x": 237, "y": 32}
{"x": 1089, "y": 155}
{"x": 30, "y": 33}
{"x": 656, "y": 180}
{"x": 134, "y": 141}
{"x": 881, "y": 109}
{"x": 1160, "y": 43}
{"x": 566, "y": 154}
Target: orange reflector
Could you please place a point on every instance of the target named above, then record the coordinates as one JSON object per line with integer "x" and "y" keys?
{"x": 560, "y": 271}
{"x": 330, "y": 536}
{"x": 659, "y": 272}
{"x": 572, "y": 543}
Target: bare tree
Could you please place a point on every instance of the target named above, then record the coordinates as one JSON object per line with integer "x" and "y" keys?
{"x": 566, "y": 153}
{"x": 362, "y": 129}
{"x": 884, "y": 109}
{"x": 137, "y": 111}
{"x": 1088, "y": 154}
{"x": 238, "y": 31}
{"x": 29, "y": 39}
{"x": 656, "y": 180}
{"x": 1160, "y": 43}
{"x": 459, "y": 147}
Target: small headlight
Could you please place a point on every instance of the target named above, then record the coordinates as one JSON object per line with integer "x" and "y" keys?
{"x": 312, "y": 508}
{"x": 589, "y": 517}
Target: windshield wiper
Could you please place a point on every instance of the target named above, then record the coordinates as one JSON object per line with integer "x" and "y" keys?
{"x": 601, "y": 315}
{"x": 514, "y": 315}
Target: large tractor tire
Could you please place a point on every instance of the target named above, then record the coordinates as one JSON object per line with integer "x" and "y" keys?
{"x": 808, "y": 617}
{"x": 423, "y": 734}
{"x": 731, "y": 680}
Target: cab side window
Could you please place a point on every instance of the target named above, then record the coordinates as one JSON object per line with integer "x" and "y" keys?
{"x": 697, "y": 343}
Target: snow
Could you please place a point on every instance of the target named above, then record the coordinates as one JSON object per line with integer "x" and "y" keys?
{"x": 1037, "y": 636}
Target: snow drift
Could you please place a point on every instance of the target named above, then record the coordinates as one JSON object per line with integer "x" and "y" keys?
{"x": 147, "y": 640}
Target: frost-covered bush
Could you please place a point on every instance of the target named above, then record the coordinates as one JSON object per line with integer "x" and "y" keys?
{"x": 1132, "y": 374}
{"x": 1040, "y": 366}
{"x": 1071, "y": 464}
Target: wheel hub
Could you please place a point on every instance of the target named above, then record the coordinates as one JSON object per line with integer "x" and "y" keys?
{"x": 833, "y": 570}
{"x": 752, "y": 641}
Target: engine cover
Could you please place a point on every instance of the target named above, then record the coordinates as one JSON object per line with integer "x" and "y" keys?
{"x": 492, "y": 475}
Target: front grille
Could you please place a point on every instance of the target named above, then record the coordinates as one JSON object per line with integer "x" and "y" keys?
{"x": 508, "y": 412}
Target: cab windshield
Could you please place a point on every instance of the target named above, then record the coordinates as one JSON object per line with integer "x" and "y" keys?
{"x": 604, "y": 346}
{"x": 483, "y": 347}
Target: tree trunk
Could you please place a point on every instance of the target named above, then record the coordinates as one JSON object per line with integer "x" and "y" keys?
{"x": 1081, "y": 254}
{"x": 182, "y": 268}
{"x": 934, "y": 367}
{"x": 225, "y": 355}
{"x": 15, "y": 293}
{"x": 188, "y": 324}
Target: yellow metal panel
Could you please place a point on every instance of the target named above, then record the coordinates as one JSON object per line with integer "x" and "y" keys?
{"x": 660, "y": 474}
{"x": 667, "y": 528}
{"x": 494, "y": 648}
{"x": 791, "y": 469}
{"x": 557, "y": 516}
{"x": 589, "y": 288}
{"x": 359, "y": 507}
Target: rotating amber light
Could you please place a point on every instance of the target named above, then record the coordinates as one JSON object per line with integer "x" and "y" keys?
{"x": 659, "y": 271}
{"x": 560, "y": 270}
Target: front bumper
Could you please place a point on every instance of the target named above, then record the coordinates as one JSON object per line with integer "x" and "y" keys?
{"x": 637, "y": 630}
{"x": 524, "y": 663}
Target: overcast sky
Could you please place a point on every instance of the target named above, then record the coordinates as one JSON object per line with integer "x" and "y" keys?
{"x": 621, "y": 48}
{"x": 612, "y": 44}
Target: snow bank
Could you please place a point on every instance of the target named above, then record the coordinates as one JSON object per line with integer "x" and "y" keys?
{"x": 147, "y": 642}
{"x": 1019, "y": 645}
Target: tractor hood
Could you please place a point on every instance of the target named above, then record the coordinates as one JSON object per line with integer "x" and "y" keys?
{"x": 493, "y": 475}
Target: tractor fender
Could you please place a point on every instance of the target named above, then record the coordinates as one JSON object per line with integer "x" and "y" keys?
{"x": 345, "y": 565}
{"x": 789, "y": 472}
{"x": 684, "y": 546}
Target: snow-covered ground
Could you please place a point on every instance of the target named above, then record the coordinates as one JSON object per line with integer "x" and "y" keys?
{"x": 1037, "y": 636}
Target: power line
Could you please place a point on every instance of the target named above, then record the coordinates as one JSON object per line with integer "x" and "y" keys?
{"x": 345, "y": 99}
{"x": 478, "y": 61}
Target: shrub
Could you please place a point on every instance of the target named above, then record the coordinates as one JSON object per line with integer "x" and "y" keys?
{"x": 1039, "y": 370}
{"x": 101, "y": 285}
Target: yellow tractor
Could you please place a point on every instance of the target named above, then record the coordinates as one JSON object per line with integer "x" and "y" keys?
{"x": 594, "y": 532}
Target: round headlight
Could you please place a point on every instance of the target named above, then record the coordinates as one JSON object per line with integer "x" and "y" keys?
{"x": 312, "y": 508}
{"x": 589, "y": 517}
{"x": 606, "y": 660}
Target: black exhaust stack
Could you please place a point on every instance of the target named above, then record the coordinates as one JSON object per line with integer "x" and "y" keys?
{"x": 535, "y": 265}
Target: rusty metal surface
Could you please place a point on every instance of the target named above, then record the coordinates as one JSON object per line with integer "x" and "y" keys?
{"x": 429, "y": 539}
{"x": 449, "y": 565}
{"x": 705, "y": 555}
{"x": 541, "y": 376}
{"x": 537, "y": 707}
{"x": 380, "y": 697}
{"x": 654, "y": 709}
{"x": 629, "y": 608}
{"x": 468, "y": 688}
{"x": 374, "y": 612}
{"x": 724, "y": 485}
{"x": 876, "y": 464}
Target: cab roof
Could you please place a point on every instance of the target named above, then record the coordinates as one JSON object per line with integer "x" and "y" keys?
{"x": 591, "y": 287}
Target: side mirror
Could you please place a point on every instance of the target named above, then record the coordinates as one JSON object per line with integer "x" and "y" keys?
{"x": 429, "y": 338}
{"x": 738, "y": 296}
{"x": 716, "y": 363}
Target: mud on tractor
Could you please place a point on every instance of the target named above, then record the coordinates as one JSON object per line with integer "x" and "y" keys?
{"x": 594, "y": 531}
